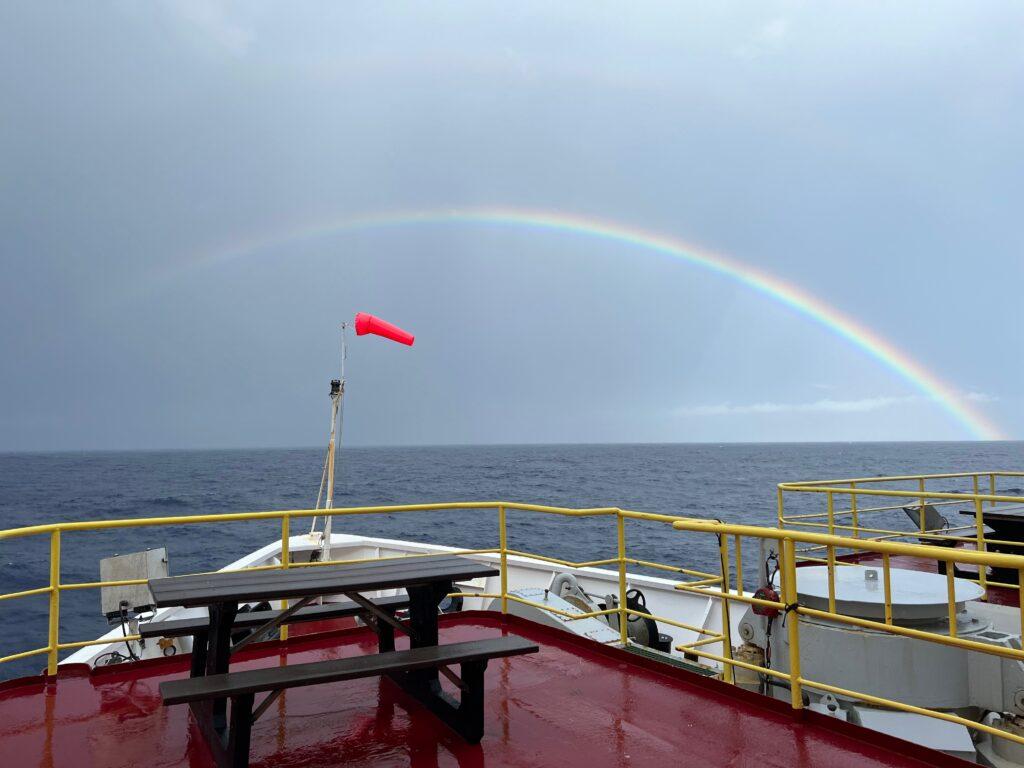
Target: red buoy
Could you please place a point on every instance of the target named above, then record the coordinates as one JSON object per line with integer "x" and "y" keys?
{"x": 369, "y": 324}
{"x": 767, "y": 592}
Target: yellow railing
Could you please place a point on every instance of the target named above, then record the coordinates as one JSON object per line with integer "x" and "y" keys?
{"x": 716, "y": 586}
{"x": 786, "y": 542}
{"x": 621, "y": 560}
{"x": 867, "y": 496}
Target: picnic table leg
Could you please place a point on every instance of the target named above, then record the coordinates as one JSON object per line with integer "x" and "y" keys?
{"x": 222, "y": 617}
{"x": 471, "y": 706}
{"x": 465, "y": 716}
{"x": 200, "y": 644}
{"x": 385, "y": 636}
{"x": 238, "y": 737}
{"x": 423, "y": 602}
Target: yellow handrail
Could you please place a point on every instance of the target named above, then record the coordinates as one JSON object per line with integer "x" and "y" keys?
{"x": 900, "y": 478}
{"x": 789, "y": 538}
{"x": 854, "y": 488}
{"x": 55, "y": 530}
{"x": 916, "y": 495}
{"x": 709, "y": 585}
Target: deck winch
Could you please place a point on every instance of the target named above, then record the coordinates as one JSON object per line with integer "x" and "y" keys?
{"x": 565, "y": 595}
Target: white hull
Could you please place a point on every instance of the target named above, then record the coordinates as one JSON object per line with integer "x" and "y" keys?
{"x": 523, "y": 573}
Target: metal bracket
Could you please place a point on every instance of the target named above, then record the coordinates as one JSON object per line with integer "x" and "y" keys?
{"x": 274, "y": 623}
{"x": 380, "y": 615}
{"x": 456, "y": 680}
{"x": 265, "y": 704}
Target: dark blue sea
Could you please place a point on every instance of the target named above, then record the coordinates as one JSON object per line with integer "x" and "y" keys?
{"x": 735, "y": 482}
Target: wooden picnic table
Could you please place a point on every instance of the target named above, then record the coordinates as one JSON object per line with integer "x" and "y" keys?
{"x": 426, "y": 579}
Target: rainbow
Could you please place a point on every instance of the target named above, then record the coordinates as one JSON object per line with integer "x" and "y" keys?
{"x": 929, "y": 384}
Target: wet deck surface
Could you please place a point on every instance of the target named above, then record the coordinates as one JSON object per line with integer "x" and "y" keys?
{"x": 572, "y": 704}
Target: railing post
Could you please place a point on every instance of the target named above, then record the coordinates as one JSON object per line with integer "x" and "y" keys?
{"x": 503, "y": 543}
{"x": 781, "y": 511}
{"x": 979, "y": 527}
{"x": 830, "y": 503}
{"x": 887, "y": 587}
{"x": 977, "y": 489}
{"x": 1020, "y": 598}
{"x": 723, "y": 557}
{"x": 830, "y": 555}
{"x": 853, "y": 511}
{"x": 623, "y": 615}
{"x": 796, "y": 693}
{"x": 992, "y": 488}
{"x": 54, "y": 629}
{"x": 739, "y": 564}
{"x": 920, "y": 514}
{"x": 951, "y": 597}
{"x": 286, "y": 560}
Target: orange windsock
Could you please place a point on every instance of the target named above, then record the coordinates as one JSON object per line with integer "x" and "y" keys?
{"x": 369, "y": 324}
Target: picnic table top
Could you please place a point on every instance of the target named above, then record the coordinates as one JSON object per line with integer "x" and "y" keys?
{"x": 1012, "y": 513}
{"x": 247, "y": 586}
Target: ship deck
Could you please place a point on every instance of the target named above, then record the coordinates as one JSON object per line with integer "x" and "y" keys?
{"x": 576, "y": 703}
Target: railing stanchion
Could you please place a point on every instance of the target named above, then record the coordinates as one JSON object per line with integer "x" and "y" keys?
{"x": 831, "y": 506}
{"x": 792, "y": 618}
{"x": 723, "y": 556}
{"x": 623, "y": 615}
{"x": 853, "y": 511}
{"x": 920, "y": 511}
{"x": 54, "y": 628}
{"x": 831, "y": 555}
{"x": 979, "y": 526}
{"x": 739, "y": 564}
{"x": 976, "y": 492}
{"x": 1020, "y": 598}
{"x": 503, "y": 543}
{"x": 887, "y": 587}
{"x": 992, "y": 488}
{"x": 286, "y": 560}
{"x": 951, "y": 597}
{"x": 781, "y": 512}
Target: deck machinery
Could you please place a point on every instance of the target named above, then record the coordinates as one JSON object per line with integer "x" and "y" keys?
{"x": 917, "y": 672}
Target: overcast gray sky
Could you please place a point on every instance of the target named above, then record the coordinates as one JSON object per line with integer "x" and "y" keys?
{"x": 168, "y": 169}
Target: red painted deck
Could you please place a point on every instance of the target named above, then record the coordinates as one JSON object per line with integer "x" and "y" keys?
{"x": 573, "y": 704}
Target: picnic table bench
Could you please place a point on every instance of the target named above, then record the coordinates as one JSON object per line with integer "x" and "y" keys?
{"x": 426, "y": 581}
{"x": 466, "y": 717}
{"x": 198, "y": 628}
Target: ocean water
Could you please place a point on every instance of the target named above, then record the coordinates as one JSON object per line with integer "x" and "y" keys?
{"x": 734, "y": 482}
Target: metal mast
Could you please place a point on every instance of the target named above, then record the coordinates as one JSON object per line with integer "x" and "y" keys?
{"x": 337, "y": 424}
